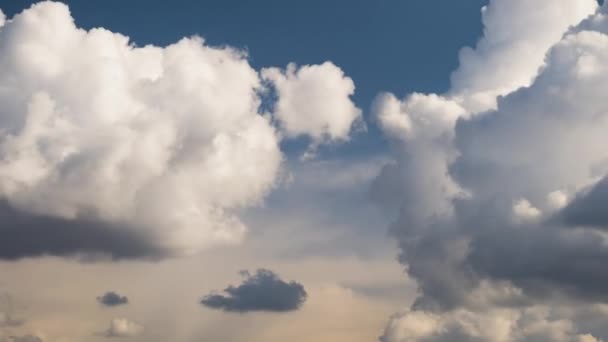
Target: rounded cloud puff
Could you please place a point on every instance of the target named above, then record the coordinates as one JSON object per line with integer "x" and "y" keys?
{"x": 314, "y": 100}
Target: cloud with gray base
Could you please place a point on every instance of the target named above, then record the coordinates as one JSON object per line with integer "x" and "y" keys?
{"x": 112, "y": 298}
{"x": 498, "y": 182}
{"x": 113, "y": 149}
{"x": 262, "y": 291}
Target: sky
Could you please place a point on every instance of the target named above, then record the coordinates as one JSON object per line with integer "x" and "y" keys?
{"x": 391, "y": 171}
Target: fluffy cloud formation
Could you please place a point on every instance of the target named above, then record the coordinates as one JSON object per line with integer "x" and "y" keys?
{"x": 510, "y": 53}
{"x": 112, "y": 299}
{"x": 122, "y": 327}
{"x": 138, "y": 151}
{"x": 498, "y": 182}
{"x": 262, "y": 291}
{"x": 314, "y": 101}
{"x": 149, "y": 138}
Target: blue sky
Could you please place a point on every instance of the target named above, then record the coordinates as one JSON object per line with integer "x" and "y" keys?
{"x": 396, "y": 46}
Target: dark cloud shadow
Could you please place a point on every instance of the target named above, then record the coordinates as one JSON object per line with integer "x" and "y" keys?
{"x": 590, "y": 208}
{"x": 24, "y": 235}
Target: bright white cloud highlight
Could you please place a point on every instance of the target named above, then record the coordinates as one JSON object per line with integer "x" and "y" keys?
{"x": 517, "y": 35}
{"x": 122, "y": 327}
{"x": 314, "y": 101}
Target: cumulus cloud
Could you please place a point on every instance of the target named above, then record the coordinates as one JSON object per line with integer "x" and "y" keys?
{"x": 498, "y": 181}
{"x": 141, "y": 151}
{"x": 145, "y": 137}
{"x": 314, "y": 101}
{"x": 112, "y": 298}
{"x": 510, "y": 53}
{"x": 122, "y": 327}
{"x": 262, "y": 291}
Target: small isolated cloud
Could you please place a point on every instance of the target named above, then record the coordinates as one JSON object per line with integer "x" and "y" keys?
{"x": 112, "y": 298}
{"x": 122, "y": 327}
{"x": 29, "y": 235}
{"x": 263, "y": 291}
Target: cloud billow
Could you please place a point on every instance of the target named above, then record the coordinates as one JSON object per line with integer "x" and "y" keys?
{"x": 108, "y": 148}
{"x": 499, "y": 184}
{"x": 262, "y": 291}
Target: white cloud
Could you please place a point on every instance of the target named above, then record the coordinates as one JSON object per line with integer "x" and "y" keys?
{"x": 509, "y": 56}
{"x": 523, "y": 210}
{"x": 557, "y": 199}
{"x": 419, "y": 117}
{"x": 122, "y": 327}
{"x": 165, "y": 141}
{"x": 517, "y": 35}
{"x": 314, "y": 101}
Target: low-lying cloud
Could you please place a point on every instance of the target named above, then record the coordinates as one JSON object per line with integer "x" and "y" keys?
{"x": 112, "y": 298}
{"x": 262, "y": 291}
